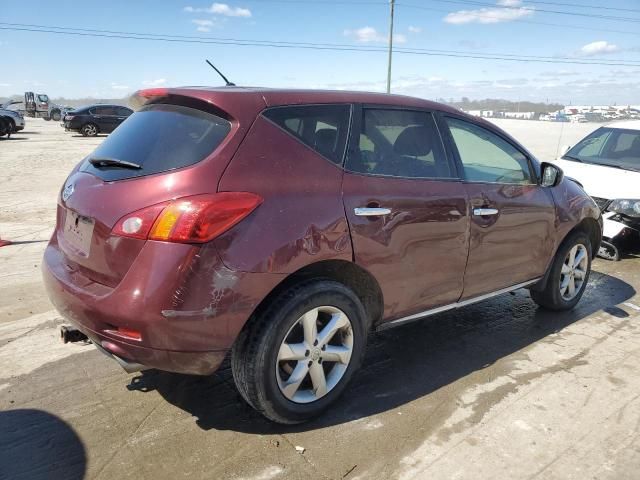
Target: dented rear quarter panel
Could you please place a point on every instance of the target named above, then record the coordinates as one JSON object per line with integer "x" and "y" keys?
{"x": 301, "y": 220}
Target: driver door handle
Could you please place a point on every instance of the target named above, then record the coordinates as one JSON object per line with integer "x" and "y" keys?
{"x": 371, "y": 212}
{"x": 485, "y": 212}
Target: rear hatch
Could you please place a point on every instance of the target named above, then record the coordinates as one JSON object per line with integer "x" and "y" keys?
{"x": 176, "y": 145}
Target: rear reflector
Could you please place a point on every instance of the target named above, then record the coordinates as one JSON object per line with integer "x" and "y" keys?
{"x": 196, "y": 219}
{"x": 128, "y": 332}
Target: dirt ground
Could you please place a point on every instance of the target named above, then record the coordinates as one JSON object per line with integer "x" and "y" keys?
{"x": 496, "y": 390}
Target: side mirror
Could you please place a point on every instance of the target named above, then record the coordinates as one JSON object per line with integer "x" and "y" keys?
{"x": 551, "y": 175}
{"x": 564, "y": 149}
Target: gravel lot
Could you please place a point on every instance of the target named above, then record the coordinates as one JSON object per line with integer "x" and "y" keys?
{"x": 497, "y": 390}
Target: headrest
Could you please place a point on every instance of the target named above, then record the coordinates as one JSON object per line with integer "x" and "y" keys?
{"x": 413, "y": 141}
{"x": 326, "y": 139}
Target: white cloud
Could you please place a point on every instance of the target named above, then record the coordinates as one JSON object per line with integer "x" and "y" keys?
{"x": 600, "y": 47}
{"x": 371, "y": 35}
{"x": 116, "y": 86}
{"x": 413, "y": 29}
{"x": 221, "y": 9}
{"x": 203, "y": 25}
{"x": 5, "y": 84}
{"x": 154, "y": 83}
{"x": 504, "y": 11}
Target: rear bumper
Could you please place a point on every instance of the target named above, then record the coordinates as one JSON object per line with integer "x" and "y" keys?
{"x": 187, "y": 306}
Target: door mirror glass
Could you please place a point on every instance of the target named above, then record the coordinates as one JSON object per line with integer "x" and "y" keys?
{"x": 551, "y": 175}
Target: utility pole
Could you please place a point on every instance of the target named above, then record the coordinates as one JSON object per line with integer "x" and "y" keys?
{"x": 392, "y": 4}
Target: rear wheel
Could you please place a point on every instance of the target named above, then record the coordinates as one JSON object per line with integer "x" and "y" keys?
{"x": 89, "y": 130}
{"x": 568, "y": 276}
{"x": 296, "y": 358}
{"x": 55, "y": 115}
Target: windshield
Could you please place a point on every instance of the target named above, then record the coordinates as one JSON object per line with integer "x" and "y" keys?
{"x": 43, "y": 98}
{"x": 158, "y": 138}
{"x": 614, "y": 147}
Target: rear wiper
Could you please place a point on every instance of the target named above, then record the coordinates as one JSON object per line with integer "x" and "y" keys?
{"x": 113, "y": 162}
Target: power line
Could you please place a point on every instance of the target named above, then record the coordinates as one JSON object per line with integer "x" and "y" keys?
{"x": 319, "y": 46}
{"x": 374, "y": 48}
{"x": 581, "y": 5}
{"x": 382, "y": 3}
{"x": 532, "y": 22}
{"x": 540, "y": 10}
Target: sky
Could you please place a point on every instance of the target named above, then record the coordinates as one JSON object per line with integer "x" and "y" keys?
{"x": 77, "y": 66}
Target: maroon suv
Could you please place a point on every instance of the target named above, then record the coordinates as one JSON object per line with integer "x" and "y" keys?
{"x": 285, "y": 225}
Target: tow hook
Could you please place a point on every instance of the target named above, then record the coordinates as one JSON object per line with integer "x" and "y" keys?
{"x": 69, "y": 334}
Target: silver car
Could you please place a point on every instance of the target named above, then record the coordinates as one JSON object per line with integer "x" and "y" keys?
{"x": 15, "y": 116}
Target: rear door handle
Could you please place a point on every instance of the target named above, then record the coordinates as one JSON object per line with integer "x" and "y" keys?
{"x": 371, "y": 212}
{"x": 485, "y": 212}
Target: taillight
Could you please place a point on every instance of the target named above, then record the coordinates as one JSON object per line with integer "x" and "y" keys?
{"x": 195, "y": 219}
{"x": 139, "y": 223}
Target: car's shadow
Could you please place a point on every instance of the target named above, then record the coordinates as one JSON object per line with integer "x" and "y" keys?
{"x": 13, "y": 137}
{"x": 100, "y": 135}
{"x": 402, "y": 364}
{"x": 38, "y": 445}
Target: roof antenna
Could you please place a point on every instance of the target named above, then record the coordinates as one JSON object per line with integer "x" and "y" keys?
{"x": 229, "y": 84}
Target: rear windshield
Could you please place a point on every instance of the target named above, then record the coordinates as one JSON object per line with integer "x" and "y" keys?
{"x": 159, "y": 138}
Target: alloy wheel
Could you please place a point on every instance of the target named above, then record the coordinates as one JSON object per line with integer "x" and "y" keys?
{"x": 314, "y": 354}
{"x": 574, "y": 272}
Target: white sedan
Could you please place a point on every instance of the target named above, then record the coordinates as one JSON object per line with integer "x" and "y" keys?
{"x": 607, "y": 163}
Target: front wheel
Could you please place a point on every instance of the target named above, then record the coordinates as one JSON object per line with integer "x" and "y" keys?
{"x": 56, "y": 116}
{"x": 568, "y": 276}
{"x": 295, "y": 358}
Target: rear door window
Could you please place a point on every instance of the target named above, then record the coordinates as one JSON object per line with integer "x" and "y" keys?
{"x": 159, "y": 138}
{"x": 107, "y": 110}
{"x": 324, "y": 128}
{"x": 399, "y": 143}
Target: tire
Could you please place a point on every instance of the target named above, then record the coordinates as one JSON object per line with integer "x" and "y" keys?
{"x": 555, "y": 295}
{"x": 264, "y": 379}
{"x": 89, "y": 130}
{"x": 4, "y": 127}
{"x": 12, "y": 126}
{"x": 55, "y": 116}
